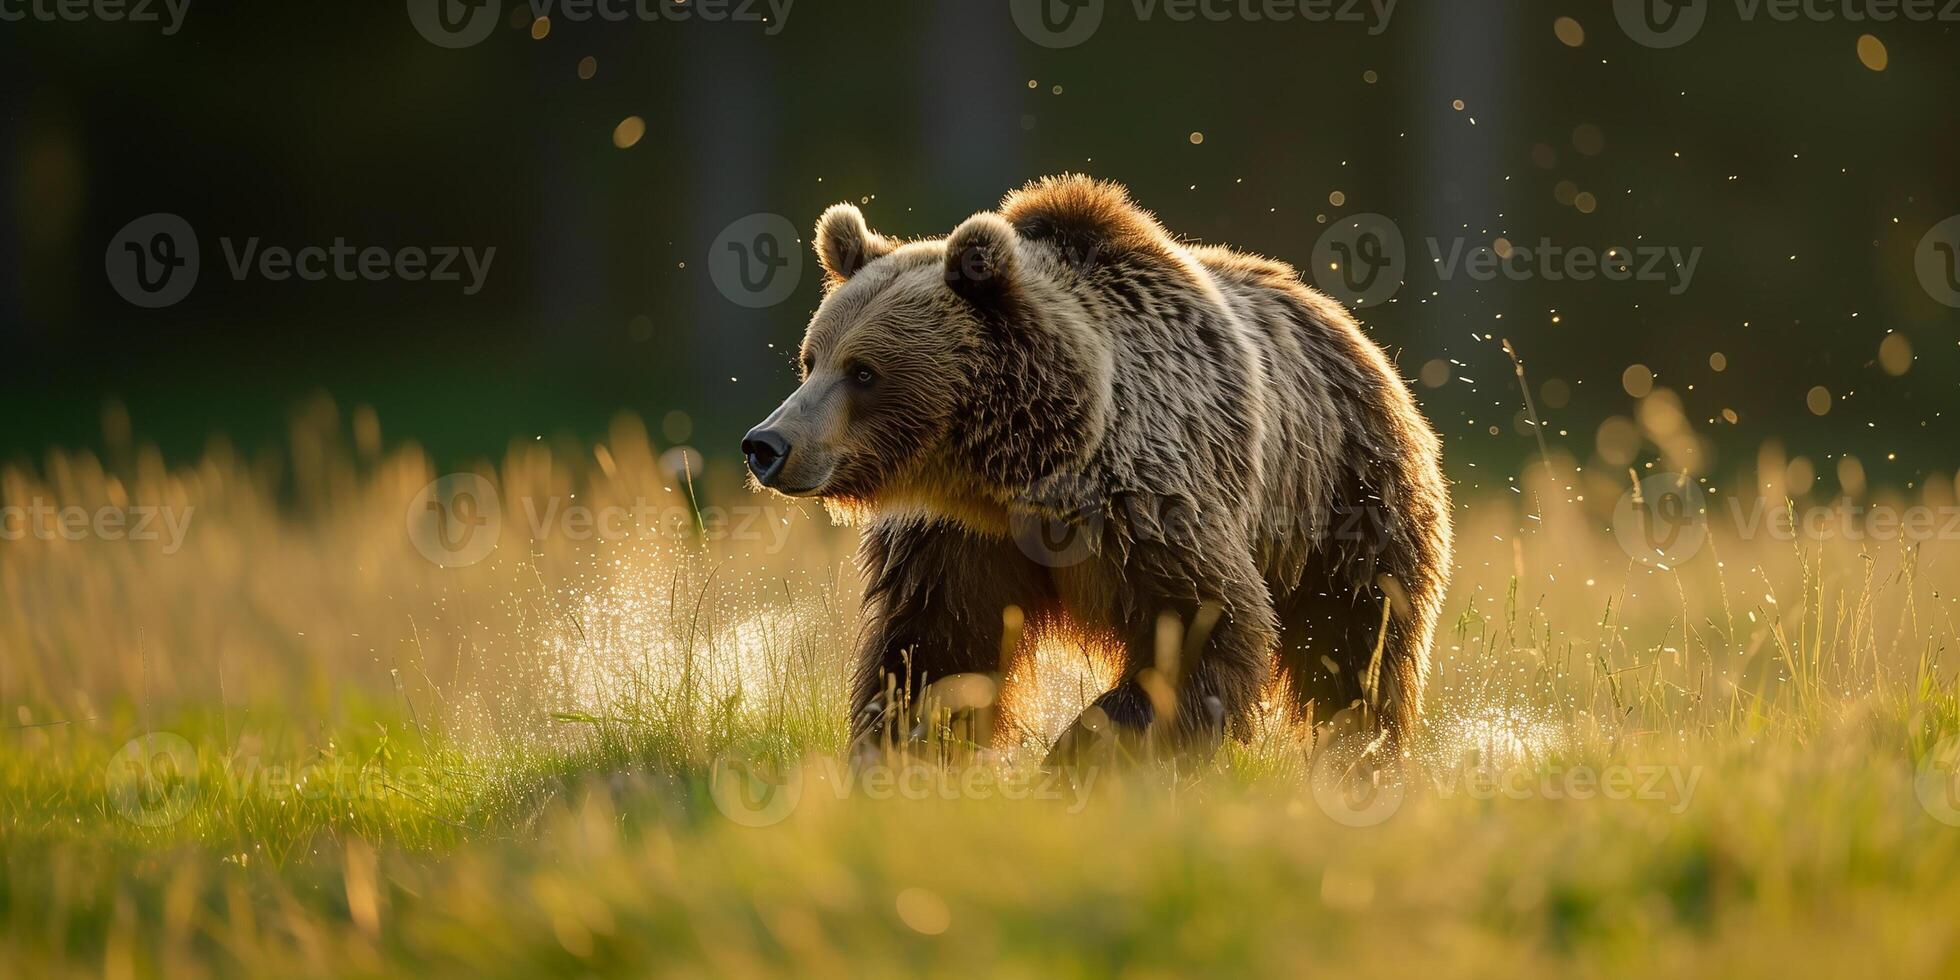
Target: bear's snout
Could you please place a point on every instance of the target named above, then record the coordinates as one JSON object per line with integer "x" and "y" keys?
{"x": 766, "y": 450}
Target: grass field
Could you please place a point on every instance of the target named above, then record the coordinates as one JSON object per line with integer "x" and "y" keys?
{"x": 288, "y": 743}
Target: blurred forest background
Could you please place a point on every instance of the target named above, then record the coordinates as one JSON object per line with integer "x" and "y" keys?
{"x": 1804, "y": 172}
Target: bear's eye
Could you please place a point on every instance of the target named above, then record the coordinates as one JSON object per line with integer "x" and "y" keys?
{"x": 863, "y": 375}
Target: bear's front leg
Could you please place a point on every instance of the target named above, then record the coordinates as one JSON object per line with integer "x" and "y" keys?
{"x": 934, "y": 601}
{"x": 1199, "y": 640}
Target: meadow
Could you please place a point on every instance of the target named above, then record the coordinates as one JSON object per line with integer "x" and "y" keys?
{"x": 288, "y": 742}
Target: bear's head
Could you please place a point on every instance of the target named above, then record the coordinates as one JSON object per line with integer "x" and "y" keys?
{"x": 940, "y": 374}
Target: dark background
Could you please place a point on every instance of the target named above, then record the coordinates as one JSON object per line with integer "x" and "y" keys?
{"x": 1805, "y": 177}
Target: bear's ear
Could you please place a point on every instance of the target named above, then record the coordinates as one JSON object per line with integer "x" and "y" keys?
{"x": 845, "y": 244}
{"x": 980, "y": 259}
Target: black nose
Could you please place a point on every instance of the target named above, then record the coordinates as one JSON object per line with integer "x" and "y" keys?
{"x": 766, "y": 451}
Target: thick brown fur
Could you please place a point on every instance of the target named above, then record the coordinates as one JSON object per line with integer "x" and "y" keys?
{"x": 1059, "y": 407}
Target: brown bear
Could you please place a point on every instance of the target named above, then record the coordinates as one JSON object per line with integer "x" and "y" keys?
{"x": 1059, "y": 407}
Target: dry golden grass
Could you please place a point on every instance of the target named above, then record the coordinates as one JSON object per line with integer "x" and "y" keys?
{"x": 542, "y": 747}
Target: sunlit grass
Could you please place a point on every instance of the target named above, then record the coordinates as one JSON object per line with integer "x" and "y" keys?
{"x": 524, "y": 766}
